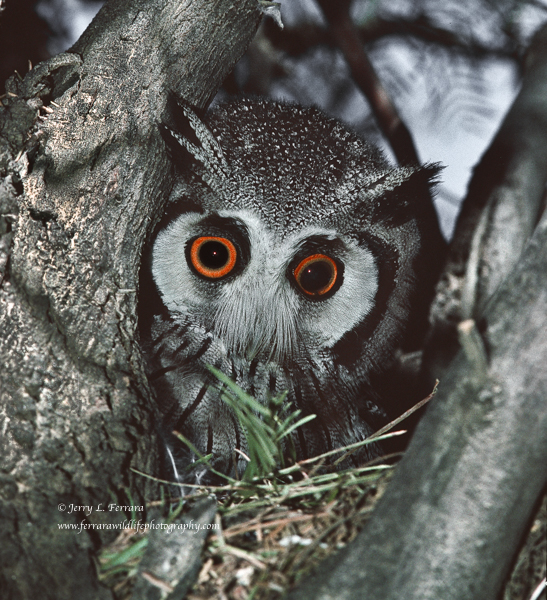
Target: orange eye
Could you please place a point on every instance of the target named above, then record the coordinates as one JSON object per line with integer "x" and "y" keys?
{"x": 213, "y": 257}
{"x": 316, "y": 275}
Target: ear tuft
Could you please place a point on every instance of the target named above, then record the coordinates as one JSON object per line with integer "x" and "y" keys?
{"x": 400, "y": 193}
{"x": 191, "y": 143}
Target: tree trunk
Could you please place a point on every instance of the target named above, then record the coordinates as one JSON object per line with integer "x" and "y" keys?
{"x": 83, "y": 179}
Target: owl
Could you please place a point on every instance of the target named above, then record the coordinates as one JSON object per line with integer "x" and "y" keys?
{"x": 293, "y": 258}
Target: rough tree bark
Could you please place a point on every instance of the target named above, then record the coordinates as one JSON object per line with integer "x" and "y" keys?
{"x": 84, "y": 176}
{"x": 81, "y": 186}
{"x": 452, "y": 518}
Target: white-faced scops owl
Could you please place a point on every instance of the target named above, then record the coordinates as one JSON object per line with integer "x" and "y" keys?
{"x": 292, "y": 257}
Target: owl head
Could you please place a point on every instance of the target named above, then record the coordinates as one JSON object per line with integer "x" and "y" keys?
{"x": 294, "y": 258}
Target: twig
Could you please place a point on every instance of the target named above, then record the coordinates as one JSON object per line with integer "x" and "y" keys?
{"x": 250, "y": 526}
{"x": 156, "y": 582}
{"x": 405, "y": 415}
{"x": 538, "y": 591}
{"x": 473, "y": 347}
{"x": 349, "y": 42}
{"x": 244, "y": 555}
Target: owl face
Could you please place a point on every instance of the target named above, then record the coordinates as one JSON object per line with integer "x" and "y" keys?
{"x": 264, "y": 292}
{"x": 293, "y": 262}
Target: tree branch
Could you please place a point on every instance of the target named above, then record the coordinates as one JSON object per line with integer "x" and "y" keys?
{"x": 298, "y": 39}
{"x": 502, "y": 207}
{"x": 347, "y": 38}
{"x": 452, "y": 518}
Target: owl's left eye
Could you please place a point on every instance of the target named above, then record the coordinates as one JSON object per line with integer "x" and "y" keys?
{"x": 316, "y": 275}
{"x": 213, "y": 257}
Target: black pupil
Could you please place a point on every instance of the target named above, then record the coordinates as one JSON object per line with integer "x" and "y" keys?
{"x": 316, "y": 276}
{"x": 213, "y": 255}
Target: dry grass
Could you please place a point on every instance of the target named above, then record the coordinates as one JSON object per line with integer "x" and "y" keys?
{"x": 275, "y": 528}
{"x": 262, "y": 555}
{"x": 262, "y": 552}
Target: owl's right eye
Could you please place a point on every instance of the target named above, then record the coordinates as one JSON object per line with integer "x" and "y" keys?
{"x": 212, "y": 257}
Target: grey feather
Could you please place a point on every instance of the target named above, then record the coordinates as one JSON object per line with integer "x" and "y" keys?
{"x": 283, "y": 183}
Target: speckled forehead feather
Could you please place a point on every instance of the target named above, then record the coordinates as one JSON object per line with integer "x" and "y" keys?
{"x": 293, "y": 163}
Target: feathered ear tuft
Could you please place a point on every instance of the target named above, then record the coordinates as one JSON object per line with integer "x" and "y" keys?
{"x": 396, "y": 197}
{"x": 177, "y": 149}
{"x": 191, "y": 143}
{"x": 179, "y": 109}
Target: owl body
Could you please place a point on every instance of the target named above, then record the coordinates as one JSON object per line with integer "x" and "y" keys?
{"x": 292, "y": 258}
